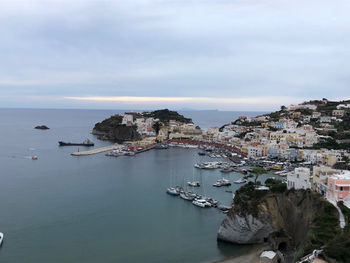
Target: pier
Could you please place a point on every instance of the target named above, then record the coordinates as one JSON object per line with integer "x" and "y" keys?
{"x": 97, "y": 150}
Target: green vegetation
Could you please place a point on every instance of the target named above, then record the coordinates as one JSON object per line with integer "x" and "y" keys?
{"x": 258, "y": 170}
{"x": 275, "y": 185}
{"x": 166, "y": 115}
{"x": 325, "y": 228}
{"x": 247, "y": 199}
{"x": 330, "y": 143}
{"x": 339, "y": 247}
{"x": 157, "y": 126}
{"x": 109, "y": 124}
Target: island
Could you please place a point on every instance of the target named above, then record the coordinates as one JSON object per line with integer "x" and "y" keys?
{"x": 41, "y": 127}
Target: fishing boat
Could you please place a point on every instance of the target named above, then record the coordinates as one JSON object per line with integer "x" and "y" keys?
{"x": 1, "y": 238}
{"x": 172, "y": 191}
{"x": 194, "y": 184}
{"x": 241, "y": 181}
{"x": 201, "y": 203}
{"x": 87, "y": 142}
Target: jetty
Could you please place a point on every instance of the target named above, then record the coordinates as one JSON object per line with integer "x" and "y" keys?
{"x": 97, "y": 150}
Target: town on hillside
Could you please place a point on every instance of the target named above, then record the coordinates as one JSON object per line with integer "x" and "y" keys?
{"x": 309, "y": 143}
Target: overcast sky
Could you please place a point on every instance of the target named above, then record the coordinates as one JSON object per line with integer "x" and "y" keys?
{"x": 201, "y": 54}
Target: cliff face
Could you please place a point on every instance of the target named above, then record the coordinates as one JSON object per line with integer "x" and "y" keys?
{"x": 275, "y": 217}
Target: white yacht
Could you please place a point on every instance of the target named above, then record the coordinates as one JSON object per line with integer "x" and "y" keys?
{"x": 201, "y": 203}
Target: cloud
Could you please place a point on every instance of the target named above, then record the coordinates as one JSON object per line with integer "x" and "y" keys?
{"x": 180, "y": 48}
{"x": 256, "y": 103}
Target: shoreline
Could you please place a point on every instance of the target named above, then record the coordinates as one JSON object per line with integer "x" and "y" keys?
{"x": 250, "y": 255}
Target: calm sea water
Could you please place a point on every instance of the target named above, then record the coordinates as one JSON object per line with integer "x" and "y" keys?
{"x": 101, "y": 209}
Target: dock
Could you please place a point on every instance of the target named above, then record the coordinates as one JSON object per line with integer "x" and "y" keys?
{"x": 97, "y": 150}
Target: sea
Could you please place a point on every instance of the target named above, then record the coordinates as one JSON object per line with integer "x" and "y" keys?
{"x": 96, "y": 208}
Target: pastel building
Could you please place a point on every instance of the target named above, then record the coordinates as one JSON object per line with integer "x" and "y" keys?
{"x": 339, "y": 186}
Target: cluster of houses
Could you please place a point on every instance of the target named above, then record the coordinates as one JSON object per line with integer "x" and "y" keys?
{"x": 290, "y": 137}
{"x": 333, "y": 184}
{"x": 172, "y": 130}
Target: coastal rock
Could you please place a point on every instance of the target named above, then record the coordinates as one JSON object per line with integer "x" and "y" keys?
{"x": 246, "y": 229}
{"x": 274, "y": 217}
{"x": 41, "y": 127}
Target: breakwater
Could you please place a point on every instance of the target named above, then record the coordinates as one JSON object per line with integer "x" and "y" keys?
{"x": 97, "y": 150}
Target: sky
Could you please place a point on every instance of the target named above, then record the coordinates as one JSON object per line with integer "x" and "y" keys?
{"x": 194, "y": 54}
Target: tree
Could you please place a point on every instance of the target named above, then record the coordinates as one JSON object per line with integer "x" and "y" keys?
{"x": 157, "y": 126}
{"x": 283, "y": 108}
{"x": 258, "y": 171}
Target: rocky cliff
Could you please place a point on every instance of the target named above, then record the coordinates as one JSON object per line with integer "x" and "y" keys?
{"x": 281, "y": 218}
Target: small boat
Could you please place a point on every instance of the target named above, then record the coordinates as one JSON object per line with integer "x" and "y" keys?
{"x": 213, "y": 202}
{"x": 1, "y": 238}
{"x": 222, "y": 182}
{"x": 34, "y": 157}
{"x": 194, "y": 184}
{"x": 87, "y": 142}
{"x": 188, "y": 196}
{"x": 201, "y": 203}
{"x": 224, "y": 207}
{"x": 201, "y": 153}
{"x": 172, "y": 191}
{"x": 160, "y": 146}
{"x": 241, "y": 181}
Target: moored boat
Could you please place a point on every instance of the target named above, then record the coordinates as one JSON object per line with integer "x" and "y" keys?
{"x": 188, "y": 196}
{"x": 222, "y": 182}
{"x": 241, "y": 181}
{"x": 194, "y": 184}
{"x": 172, "y": 191}
{"x": 201, "y": 203}
{"x": 1, "y": 238}
{"x": 160, "y": 146}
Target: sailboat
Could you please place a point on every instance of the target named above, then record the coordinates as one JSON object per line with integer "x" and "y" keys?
{"x": 193, "y": 182}
{"x": 172, "y": 190}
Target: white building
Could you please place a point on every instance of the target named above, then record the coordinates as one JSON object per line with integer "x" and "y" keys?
{"x": 254, "y": 152}
{"x": 128, "y": 119}
{"x": 299, "y": 179}
{"x": 343, "y": 106}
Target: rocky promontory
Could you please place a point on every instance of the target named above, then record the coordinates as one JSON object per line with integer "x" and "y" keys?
{"x": 287, "y": 220}
{"x": 119, "y": 128}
